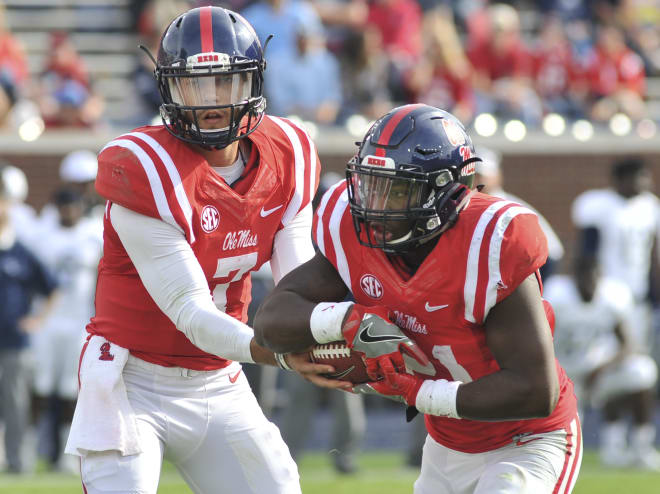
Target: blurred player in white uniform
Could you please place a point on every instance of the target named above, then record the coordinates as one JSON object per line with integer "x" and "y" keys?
{"x": 71, "y": 251}
{"x": 22, "y": 216}
{"x": 593, "y": 344}
{"x": 77, "y": 172}
{"x": 620, "y": 226}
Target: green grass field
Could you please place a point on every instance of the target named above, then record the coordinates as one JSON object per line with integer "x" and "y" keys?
{"x": 380, "y": 473}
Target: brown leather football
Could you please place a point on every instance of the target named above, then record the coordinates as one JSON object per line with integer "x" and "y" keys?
{"x": 349, "y": 365}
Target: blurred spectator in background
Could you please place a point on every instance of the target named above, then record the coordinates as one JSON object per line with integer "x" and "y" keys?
{"x": 280, "y": 18}
{"x": 343, "y": 19}
{"x": 558, "y": 78}
{"x": 368, "y": 74}
{"x": 593, "y": 344}
{"x": 13, "y": 68}
{"x": 489, "y": 174}
{"x": 152, "y": 17}
{"x": 308, "y": 84}
{"x": 22, "y": 277}
{"x": 400, "y": 25}
{"x": 443, "y": 75}
{"x": 66, "y": 97}
{"x": 617, "y": 78}
{"x": 503, "y": 65}
{"x": 641, "y": 22}
{"x": 72, "y": 254}
{"x": 146, "y": 86}
{"x": 566, "y": 10}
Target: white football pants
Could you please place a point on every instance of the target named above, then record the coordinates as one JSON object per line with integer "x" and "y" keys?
{"x": 544, "y": 463}
{"x": 209, "y": 427}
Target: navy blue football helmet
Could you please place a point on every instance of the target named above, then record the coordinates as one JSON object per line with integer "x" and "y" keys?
{"x": 210, "y": 64}
{"x": 412, "y": 175}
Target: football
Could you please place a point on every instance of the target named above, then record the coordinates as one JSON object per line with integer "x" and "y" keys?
{"x": 348, "y": 364}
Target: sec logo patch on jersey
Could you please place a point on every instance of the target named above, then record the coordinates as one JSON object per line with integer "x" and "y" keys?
{"x": 210, "y": 219}
{"x": 371, "y": 286}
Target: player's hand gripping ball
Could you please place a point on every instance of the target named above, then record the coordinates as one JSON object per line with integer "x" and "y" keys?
{"x": 349, "y": 365}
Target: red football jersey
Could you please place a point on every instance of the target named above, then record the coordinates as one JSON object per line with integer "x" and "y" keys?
{"x": 492, "y": 248}
{"x": 231, "y": 230}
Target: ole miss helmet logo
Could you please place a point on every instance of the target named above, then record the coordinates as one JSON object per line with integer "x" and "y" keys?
{"x": 371, "y": 286}
{"x": 210, "y": 219}
{"x": 455, "y": 135}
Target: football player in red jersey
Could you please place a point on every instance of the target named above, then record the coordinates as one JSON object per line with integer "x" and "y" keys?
{"x": 457, "y": 271}
{"x": 193, "y": 206}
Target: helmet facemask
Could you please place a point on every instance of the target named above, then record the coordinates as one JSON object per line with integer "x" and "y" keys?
{"x": 228, "y": 91}
{"x": 397, "y": 210}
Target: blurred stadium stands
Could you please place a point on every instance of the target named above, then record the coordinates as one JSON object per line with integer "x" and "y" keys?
{"x": 545, "y": 169}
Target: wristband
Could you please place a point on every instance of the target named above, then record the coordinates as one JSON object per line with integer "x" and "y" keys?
{"x": 326, "y": 321}
{"x": 438, "y": 398}
{"x": 280, "y": 358}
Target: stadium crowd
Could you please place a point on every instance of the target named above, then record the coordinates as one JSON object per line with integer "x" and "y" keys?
{"x": 332, "y": 59}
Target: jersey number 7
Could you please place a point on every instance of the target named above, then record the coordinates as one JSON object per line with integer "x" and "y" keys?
{"x": 234, "y": 268}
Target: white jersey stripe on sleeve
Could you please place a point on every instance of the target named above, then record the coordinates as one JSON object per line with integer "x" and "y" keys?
{"x": 313, "y": 165}
{"x": 152, "y": 175}
{"x": 299, "y": 163}
{"x": 320, "y": 240}
{"x": 494, "y": 251}
{"x": 335, "y": 235}
{"x": 172, "y": 171}
{"x": 472, "y": 268}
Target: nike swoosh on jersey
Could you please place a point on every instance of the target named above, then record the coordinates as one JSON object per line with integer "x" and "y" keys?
{"x": 368, "y": 338}
{"x": 433, "y": 308}
{"x": 266, "y": 212}
{"x": 232, "y": 379}
{"x": 520, "y": 441}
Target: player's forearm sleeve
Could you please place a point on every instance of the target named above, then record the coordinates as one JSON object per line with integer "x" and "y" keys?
{"x": 293, "y": 244}
{"x": 173, "y": 277}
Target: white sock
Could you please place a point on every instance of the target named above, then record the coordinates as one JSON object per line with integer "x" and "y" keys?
{"x": 613, "y": 435}
{"x": 643, "y": 437}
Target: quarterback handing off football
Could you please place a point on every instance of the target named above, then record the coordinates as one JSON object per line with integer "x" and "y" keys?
{"x": 349, "y": 365}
